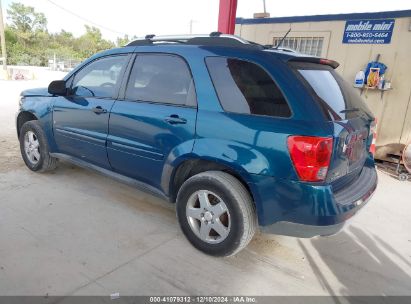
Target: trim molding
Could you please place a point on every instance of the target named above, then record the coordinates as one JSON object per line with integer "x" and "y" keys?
{"x": 121, "y": 178}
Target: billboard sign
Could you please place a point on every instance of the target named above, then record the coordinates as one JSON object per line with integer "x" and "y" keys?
{"x": 377, "y": 31}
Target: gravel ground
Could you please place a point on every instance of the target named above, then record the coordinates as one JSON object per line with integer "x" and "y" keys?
{"x": 74, "y": 232}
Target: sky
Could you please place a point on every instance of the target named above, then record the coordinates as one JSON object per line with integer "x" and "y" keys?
{"x": 167, "y": 17}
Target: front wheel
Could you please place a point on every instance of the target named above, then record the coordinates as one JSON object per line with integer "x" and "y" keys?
{"x": 403, "y": 176}
{"x": 34, "y": 148}
{"x": 216, "y": 213}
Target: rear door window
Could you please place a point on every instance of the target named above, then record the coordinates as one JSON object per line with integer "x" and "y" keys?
{"x": 246, "y": 88}
{"x": 338, "y": 98}
{"x": 161, "y": 78}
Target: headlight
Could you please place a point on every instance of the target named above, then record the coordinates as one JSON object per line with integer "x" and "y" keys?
{"x": 21, "y": 100}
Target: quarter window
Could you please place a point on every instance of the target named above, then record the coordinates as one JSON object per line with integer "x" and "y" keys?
{"x": 161, "y": 78}
{"x": 244, "y": 87}
{"x": 100, "y": 78}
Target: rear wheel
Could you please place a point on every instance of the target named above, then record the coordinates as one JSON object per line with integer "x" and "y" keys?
{"x": 34, "y": 148}
{"x": 216, "y": 213}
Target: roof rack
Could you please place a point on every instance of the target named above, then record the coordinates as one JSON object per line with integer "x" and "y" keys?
{"x": 213, "y": 39}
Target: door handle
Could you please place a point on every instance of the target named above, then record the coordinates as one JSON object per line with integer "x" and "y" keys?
{"x": 99, "y": 110}
{"x": 175, "y": 120}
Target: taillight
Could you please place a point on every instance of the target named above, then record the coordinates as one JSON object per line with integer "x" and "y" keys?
{"x": 311, "y": 156}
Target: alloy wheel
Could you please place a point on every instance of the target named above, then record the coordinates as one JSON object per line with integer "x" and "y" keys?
{"x": 208, "y": 216}
{"x": 32, "y": 147}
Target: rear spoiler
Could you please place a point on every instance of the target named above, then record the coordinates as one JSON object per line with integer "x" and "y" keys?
{"x": 331, "y": 63}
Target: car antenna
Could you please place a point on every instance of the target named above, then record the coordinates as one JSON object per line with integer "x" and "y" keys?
{"x": 282, "y": 39}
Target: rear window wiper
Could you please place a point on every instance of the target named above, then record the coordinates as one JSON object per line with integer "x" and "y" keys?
{"x": 350, "y": 110}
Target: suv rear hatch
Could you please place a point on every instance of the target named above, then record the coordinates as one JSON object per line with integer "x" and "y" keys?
{"x": 344, "y": 109}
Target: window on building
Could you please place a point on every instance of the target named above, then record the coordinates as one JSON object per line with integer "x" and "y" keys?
{"x": 244, "y": 87}
{"x": 161, "y": 78}
{"x": 305, "y": 45}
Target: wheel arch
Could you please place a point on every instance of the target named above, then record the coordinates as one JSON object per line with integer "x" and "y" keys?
{"x": 22, "y": 118}
{"x": 192, "y": 166}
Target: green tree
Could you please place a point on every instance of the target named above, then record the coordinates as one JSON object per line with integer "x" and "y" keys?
{"x": 25, "y": 19}
{"x": 122, "y": 41}
{"x": 28, "y": 41}
{"x": 91, "y": 42}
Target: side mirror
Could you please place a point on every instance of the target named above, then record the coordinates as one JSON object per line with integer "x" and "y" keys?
{"x": 58, "y": 87}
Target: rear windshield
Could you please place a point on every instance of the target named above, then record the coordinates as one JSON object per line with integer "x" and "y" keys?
{"x": 338, "y": 99}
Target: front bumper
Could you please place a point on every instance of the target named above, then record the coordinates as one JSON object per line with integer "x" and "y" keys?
{"x": 304, "y": 210}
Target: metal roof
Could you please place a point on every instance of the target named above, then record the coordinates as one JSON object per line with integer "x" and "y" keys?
{"x": 333, "y": 17}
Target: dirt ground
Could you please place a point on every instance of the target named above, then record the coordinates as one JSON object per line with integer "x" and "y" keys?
{"x": 74, "y": 232}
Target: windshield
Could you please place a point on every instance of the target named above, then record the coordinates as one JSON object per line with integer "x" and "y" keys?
{"x": 337, "y": 97}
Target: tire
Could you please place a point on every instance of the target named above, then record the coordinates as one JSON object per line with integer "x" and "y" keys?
{"x": 38, "y": 159}
{"x": 197, "y": 223}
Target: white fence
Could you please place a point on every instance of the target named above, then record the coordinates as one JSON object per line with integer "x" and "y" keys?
{"x": 30, "y": 73}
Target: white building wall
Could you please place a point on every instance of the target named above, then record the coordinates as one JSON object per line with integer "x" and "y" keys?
{"x": 393, "y": 109}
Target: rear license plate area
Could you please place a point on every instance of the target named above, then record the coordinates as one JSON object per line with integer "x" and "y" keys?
{"x": 355, "y": 147}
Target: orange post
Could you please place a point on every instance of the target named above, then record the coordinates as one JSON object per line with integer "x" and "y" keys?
{"x": 374, "y": 137}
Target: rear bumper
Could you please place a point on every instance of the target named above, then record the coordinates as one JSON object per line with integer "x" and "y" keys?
{"x": 300, "y": 230}
{"x": 309, "y": 231}
{"x": 306, "y": 210}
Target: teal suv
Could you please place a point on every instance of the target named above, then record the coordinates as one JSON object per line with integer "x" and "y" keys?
{"x": 236, "y": 134}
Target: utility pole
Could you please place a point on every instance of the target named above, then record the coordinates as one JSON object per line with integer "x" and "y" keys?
{"x": 264, "y": 14}
{"x": 2, "y": 40}
{"x": 191, "y": 25}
